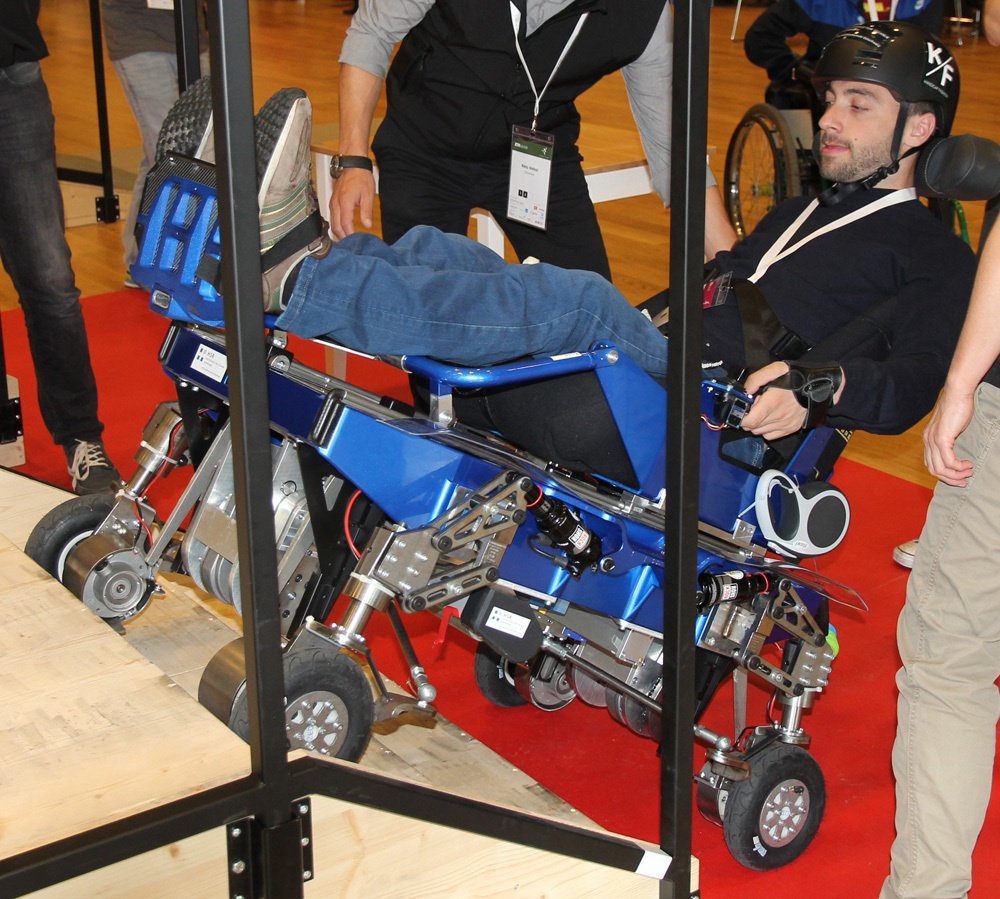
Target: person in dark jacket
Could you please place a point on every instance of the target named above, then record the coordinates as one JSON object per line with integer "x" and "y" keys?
{"x": 481, "y": 113}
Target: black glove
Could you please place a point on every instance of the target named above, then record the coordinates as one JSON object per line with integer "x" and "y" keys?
{"x": 814, "y": 386}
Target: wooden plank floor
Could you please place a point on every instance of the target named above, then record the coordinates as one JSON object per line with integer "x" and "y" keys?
{"x": 95, "y": 726}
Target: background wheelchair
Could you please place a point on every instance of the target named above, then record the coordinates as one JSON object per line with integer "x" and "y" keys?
{"x": 544, "y": 543}
{"x": 769, "y": 157}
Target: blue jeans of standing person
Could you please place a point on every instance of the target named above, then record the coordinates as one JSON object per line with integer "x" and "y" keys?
{"x": 36, "y": 256}
{"x": 149, "y": 80}
{"x": 451, "y": 298}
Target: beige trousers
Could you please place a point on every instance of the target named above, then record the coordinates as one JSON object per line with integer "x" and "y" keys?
{"x": 949, "y": 642}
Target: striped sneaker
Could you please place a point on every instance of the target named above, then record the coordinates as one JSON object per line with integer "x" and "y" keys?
{"x": 291, "y": 227}
{"x": 187, "y": 128}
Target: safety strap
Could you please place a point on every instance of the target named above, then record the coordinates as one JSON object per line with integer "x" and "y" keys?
{"x": 304, "y": 233}
{"x": 762, "y": 328}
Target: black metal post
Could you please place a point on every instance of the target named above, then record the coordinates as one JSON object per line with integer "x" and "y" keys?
{"x": 107, "y": 203}
{"x": 187, "y": 30}
{"x": 689, "y": 136}
{"x": 232, "y": 99}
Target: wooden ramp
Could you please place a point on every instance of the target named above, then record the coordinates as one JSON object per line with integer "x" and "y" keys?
{"x": 95, "y": 727}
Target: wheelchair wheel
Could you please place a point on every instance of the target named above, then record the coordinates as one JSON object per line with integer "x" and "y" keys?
{"x": 63, "y": 528}
{"x": 770, "y": 818}
{"x": 762, "y": 167}
{"x": 495, "y": 678}
{"x": 329, "y": 707}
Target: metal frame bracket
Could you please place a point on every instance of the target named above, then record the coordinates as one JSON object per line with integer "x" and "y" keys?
{"x": 263, "y": 858}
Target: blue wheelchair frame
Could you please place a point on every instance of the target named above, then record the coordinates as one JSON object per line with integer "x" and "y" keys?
{"x": 560, "y": 576}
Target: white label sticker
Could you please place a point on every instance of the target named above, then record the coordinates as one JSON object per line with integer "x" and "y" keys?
{"x": 507, "y": 622}
{"x": 210, "y": 363}
{"x": 160, "y": 4}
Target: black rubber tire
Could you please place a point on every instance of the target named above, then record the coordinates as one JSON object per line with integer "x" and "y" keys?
{"x": 494, "y": 678}
{"x": 337, "y": 680}
{"x": 762, "y": 167}
{"x": 771, "y": 818}
{"x": 64, "y": 527}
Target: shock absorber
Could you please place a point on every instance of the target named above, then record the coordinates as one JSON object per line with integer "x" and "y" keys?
{"x": 565, "y": 528}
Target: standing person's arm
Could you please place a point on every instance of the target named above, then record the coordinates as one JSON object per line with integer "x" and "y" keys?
{"x": 978, "y": 348}
{"x": 991, "y": 21}
{"x": 355, "y": 188}
{"x": 364, "y": 61}
{"x": 649, "y": 81}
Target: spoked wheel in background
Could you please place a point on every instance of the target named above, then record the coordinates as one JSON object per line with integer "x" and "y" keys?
{"x": 762, "y": 167}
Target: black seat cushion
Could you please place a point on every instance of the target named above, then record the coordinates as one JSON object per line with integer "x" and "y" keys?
{"x": 564, "y": 420}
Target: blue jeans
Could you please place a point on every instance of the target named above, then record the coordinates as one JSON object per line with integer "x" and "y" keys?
{"x": 451, "y": 298}
{"x": 36, "y": 256}
{"x": 149, "y": 80}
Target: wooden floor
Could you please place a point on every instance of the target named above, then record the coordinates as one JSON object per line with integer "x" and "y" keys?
{"x": 297, "y": 42}
{"x": 96, "y": 726}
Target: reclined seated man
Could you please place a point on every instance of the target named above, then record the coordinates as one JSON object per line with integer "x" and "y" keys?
{"x": 824, "y": 265}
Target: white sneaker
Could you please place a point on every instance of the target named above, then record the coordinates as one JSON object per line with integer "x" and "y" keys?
{"x": 904, "y": 553}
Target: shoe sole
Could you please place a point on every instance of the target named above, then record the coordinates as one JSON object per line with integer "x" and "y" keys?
{"x": 902, "y": 558}
{"x": 187, "y": 129}
{"x": 271, "y": 133}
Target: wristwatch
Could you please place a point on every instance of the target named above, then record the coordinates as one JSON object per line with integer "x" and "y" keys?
{"x": 338, "y": 163}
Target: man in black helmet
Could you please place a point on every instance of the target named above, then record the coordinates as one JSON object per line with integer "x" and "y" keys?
{"x": 866, "y": 248}
{"x": 852, "y": 303}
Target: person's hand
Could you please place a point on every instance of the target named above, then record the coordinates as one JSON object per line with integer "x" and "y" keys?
{"x": 775, "y": 413}
{"x": 951, "y": 416}
{"x": 353, "y": 190}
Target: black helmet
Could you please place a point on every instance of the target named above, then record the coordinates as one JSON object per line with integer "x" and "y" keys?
{"x": 910, "y": 62}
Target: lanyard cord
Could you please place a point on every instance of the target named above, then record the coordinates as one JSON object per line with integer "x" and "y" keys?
{"x": 780, "y": 249}
{"x": 515, "y": 20}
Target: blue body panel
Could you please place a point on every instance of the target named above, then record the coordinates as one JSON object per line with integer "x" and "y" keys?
{"x": 414, "y": 469}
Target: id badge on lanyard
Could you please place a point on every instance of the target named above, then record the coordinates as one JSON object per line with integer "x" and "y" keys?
{"x": 531, "y": 149}
{"x": 530, "y": 169}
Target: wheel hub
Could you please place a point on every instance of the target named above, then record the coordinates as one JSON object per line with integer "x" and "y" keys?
{"x": 785, "y": 811}
{"x": 109, "y": 577}
{"x": 317, "y": 722}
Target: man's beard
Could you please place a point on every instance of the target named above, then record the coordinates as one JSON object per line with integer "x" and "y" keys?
{"x": 859, "y": 163}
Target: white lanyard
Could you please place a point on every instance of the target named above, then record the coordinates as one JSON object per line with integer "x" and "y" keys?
{"x": 515, "y": 20}
{"x": 780, "y": 249}
{"x": 873, "y": 10}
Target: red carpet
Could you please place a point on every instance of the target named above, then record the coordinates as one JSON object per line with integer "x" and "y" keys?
{"x": 579, "y": 752}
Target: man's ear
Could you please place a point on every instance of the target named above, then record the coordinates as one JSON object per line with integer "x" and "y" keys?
{"x": 920, "y": 128}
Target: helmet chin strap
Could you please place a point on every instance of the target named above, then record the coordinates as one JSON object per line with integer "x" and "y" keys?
{"x": 841, "y": 189}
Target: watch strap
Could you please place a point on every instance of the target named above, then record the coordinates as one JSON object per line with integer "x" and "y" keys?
{"x": 338, "y": 163}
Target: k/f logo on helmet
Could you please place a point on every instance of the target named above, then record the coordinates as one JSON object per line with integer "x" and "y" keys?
{"x": 940, "y": 70}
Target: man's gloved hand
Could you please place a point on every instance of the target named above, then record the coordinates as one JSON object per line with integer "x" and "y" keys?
{"x": 804, "y": 395}
{"x": 815, "y": 387}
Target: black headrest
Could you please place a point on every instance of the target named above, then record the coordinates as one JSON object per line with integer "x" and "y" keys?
{"x": 960, "y": 167}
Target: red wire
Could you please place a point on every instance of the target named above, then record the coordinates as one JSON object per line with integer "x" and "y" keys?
{"x": 145, "y": 527}
{"x": 347, "y": 525}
